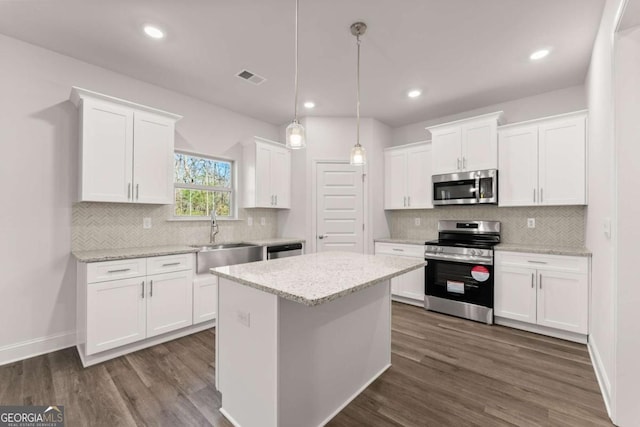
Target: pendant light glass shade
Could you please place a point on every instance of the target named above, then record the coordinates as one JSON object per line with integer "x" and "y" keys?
{"x": 358, "y": 155}
{"x": 295, "y": 136}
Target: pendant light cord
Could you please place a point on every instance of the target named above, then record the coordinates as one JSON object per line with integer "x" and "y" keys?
{"x": 358, "y": 95}
{"x": 295, "y": 105}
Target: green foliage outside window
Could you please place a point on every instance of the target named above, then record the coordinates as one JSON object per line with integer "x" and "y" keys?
{"x": 200, "y": 184}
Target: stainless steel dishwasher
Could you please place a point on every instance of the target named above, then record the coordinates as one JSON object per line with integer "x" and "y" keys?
{"x": 283, "y": 251}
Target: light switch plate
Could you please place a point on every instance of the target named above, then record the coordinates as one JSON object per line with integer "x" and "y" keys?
{"x": 416, "y": 221}
{"x": 531, "y": 222}
{"x": 146, "y": 222}
{"x": 244, "y": 318}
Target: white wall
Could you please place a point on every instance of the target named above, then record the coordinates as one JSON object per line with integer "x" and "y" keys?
{"x": 39, "y": 134}
{"x": 331, "y": 138}
{"x": 601, "y": 187}
{"x": 533, "y": 107}
{"x": 627, "y": 110}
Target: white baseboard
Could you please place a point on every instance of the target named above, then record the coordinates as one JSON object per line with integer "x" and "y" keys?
{"x": 410, "y": 301}
{"x": 36, "y": 347}
{"x": 542, "y": 330}
{"x": 601, "y": 375}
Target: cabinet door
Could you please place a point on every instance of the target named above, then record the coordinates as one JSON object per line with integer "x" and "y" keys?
{"x": 562, "y": 163}
{"x": 480, "y": 145}
{"x": 116, "y": 314}
{"x": 153, "y": 159}
{"x": 264, "y": 193}
{"x": 563, "y": 301}
{"x": 281, "y": 177}
{"x": 518, "y": 166}
{"x": 205, "y": 299}
{"x": 413, "y": 285}
{"x": 396, "y": 286}
{"x": 395, "y": 177}
{"x": 107, "y": 149}
{"x": 418, "y": 173}
{"x": 446, "y": 150}
{"x": 515, "y": 293}
{"x": 169, "y": 302}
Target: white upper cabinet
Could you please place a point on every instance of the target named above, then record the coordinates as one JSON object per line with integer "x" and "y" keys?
{"x": 407, "y": 174}
{"x": 465, "y": 145}
{"x": 126, "y": 150}
{"x": 543, "y": 162}
{"x": 267, "y": 174}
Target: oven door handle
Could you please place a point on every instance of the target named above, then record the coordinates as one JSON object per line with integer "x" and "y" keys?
{"x": 478, "y": 189}
{"x": 456, "y": 258}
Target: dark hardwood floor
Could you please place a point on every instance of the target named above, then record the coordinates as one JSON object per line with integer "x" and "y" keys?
{"x": 446, "y": 372}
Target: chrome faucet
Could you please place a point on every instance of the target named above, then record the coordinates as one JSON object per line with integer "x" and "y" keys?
{"x": 214, "y": 226}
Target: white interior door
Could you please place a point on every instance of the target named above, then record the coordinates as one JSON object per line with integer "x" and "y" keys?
{"x": 339, "y": 208}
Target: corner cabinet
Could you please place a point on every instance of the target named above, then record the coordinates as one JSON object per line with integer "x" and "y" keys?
{"x": 548, "y": 294}
{"x": 465, "y": 145}
{"x": 407, "y": 176}
{"x": 126, "y": 150}
{"x": 267, "y": 174}
{"x": 409, "y": 287}
{"x": 128, "y": 301}
{"x": 544, "y": 162}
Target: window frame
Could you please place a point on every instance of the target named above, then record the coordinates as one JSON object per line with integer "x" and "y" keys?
{"x": 232, "y": 190}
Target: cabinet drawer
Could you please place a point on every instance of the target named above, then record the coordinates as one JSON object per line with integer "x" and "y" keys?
{"x": 565, "y": 263}
{"x": 113, "y": 270}
{"x": 169, "y": 263}
{"x": 399, "y": 249}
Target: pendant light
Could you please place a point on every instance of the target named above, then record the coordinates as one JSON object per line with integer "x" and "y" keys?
{"x": 295, "y": 133}
{"x": 358, "y": 155}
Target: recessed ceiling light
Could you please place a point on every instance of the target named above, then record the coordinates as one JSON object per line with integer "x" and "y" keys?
{"x": 414, "y": 93}
{"x": 153, "y": 32}
{"x": 539, "y": 54}
{"x": 309, "y": 104}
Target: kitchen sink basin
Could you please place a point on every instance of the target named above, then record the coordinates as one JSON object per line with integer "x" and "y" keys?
{"x": 219, "y": 255}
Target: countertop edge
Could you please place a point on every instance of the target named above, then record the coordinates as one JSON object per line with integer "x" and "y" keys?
{"x": 318, "y": 301}
{"x": 401, "y": 241}
{"x": 153, "y": 252}
{"x": 543, "y": 250}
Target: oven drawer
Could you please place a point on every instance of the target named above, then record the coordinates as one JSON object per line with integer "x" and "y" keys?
{"x": 399, "y": 249}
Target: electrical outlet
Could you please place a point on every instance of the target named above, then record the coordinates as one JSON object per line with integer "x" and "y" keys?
{"x": 244, "y": 318}
{"x": 531, "y": 222}
{"x": 250, "y": 221}
{"x": 146, "y": 222}
{"x": 606, "y": 227}
{"x": 263, "y": 221}
{"x": 416, "y": 222}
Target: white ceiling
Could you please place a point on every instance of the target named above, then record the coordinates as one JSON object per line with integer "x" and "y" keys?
{"x": 464, "y": 54}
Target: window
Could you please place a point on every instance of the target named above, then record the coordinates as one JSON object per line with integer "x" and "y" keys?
{"x": 202, "y": 183}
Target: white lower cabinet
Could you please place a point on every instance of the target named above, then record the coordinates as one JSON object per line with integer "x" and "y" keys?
{"x": 115, "y": 310}
{"x": 205, "y": 298}
{"x": 551, "y": 291}
{"x": 409, "y": 287}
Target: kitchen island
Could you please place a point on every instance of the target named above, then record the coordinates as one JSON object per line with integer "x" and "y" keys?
{"x": 298, "y": 338}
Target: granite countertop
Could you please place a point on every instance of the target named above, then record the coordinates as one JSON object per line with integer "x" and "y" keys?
{"x": 319, "y": 277}
{"x": 403, "y": 241}
{"x": 275, "y": 241}
{"x": 540, "y": 249}
{"x": 127, "y": 253}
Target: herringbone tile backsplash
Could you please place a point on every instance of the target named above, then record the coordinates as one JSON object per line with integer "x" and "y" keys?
{"x": 119, "y": 225}
{"x": 555, "y": 225}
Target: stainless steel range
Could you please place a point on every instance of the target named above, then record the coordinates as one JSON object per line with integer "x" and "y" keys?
{"x": 459, "y": 272}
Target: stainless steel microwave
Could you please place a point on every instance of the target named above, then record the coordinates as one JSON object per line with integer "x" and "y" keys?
{"x": 465, "y": 188}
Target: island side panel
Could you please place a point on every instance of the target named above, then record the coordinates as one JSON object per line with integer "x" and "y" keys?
{"x": 246, "y": 354}
{"x": 330, "y": 352}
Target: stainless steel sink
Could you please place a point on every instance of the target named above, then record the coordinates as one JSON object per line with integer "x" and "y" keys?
{"x": 219, "y": 255}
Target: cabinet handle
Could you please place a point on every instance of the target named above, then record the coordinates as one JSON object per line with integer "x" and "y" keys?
{"x": 151, "y": 288}
{"x": 272, "y": 202}
{"x": 128, "y": 191}
{"x": 404, "y": 201}
{"x": 409, "y": 201}
{"x": 464, "y": 163}
{"x": 536, "y": 262}
{"x": 532, "y": 279}
{"x": 534, "y": 195}
{"x": 458, "y": 164}
{"x": 397, "y": 250}
{"x": 276, "y": 199}
{"x": 137, "y": 191}
{"x": 170, "y": 264}
{"x": 122, "y": 270}
{"x": 142, "y": 286}
{"x": 540, "y": 283}
{"x": 541, "y": 198}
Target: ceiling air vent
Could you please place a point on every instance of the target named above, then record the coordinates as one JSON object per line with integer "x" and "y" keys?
{"x": 251, "y": 77}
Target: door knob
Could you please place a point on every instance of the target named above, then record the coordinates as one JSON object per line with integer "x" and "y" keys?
{"x": 323, "y": 236}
